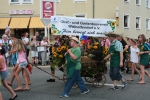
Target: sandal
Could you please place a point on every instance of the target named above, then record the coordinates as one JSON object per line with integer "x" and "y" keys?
{"x": 25, "y": 84}
{"x": 9, "y": 84}
{"x": 26, "y": 89}
{"x": 140, "y": 83}
{"x": 130, "y": 80}
{"x": 14, "y": 97}
{"x": 18, "y": 90}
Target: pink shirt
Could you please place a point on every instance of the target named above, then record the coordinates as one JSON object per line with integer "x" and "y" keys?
{"x": 21, "y": 57}
{"x": 106, "y": 41}
{"x": 4, "y": 69}
{"x": 44, "y": 43}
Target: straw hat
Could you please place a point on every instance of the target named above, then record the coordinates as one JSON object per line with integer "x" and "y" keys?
{"x": 112, "y": 34}
{"x": 124, "y": 37}
{"x": 75, "y": 39}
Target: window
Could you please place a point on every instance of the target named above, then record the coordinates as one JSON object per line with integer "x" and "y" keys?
{"x": 58, "y": 1}
{"x": 147, "y": 24}
{"x": 138, "y": 2}
{"x": 79, "y": 0}
{"x": 26, "y": 0}
{"x": 127, "y": 1}
{"x": 138, "y": 22}
{"x": 80, "y": 15}
{"x": 20, "y": 1}
{"x": 147, "y": 3}
{"x": 126, "y": 21}
{"x": 14, "y": 1}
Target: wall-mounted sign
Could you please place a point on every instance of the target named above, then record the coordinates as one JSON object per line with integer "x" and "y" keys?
{"x": 21, "y": 12}
{"x": 47, "y": 9}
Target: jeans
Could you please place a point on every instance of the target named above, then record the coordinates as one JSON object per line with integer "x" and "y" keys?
{"x": 114, "y": 73}
{"x": 43, "y": 55}
{"x": 75, "y": 79}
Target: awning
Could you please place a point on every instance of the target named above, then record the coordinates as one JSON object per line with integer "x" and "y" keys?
{"x": 36, "y": 23}
{"x": 4, "y": 22}
{"x": 19, "y": 23}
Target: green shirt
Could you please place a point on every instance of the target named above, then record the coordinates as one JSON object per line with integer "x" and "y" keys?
{"x": 77, "y": 52}
{"x": 144, "y": 58}
{"x": 114, "y": 50}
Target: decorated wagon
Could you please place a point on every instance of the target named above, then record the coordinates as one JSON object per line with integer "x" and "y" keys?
{"x": 93, "y": 69}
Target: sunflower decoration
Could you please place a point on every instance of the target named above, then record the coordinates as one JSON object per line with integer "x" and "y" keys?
{"x": 53, "y": 49}
{"x": 59, "y": 49}
{"x": 105, "y": 51}
{"x": 142, "y": 48}
{"x": 89, "y": 47}
{"x": 55, "y": 31}
{"x": 112, "y": 25}
{"x": 60, "y": 56}
{"x": 95, "y": 47}
{"x": 54, "y": 54}
{"x": 63, "y": 48}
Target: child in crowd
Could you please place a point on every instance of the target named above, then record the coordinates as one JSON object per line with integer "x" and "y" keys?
{"x": 22, "y": 61}
{"x": 3, "y": 74}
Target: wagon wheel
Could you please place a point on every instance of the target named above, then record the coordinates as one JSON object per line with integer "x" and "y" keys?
{"x": 99, "y": 80}
{"x": 65, "y": 79}
{"x": 88, "y": 79}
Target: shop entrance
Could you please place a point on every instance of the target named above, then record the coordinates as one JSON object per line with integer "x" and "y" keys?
{"x": 19, "y": 32}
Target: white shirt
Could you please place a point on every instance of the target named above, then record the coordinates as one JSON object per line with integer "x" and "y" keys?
{"x": 7, "y": 41}
{"x": 26, "y": 40}
{"x": 134, "y": 55}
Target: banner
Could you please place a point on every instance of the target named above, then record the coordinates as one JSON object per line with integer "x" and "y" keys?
{"x": 62, "y": 25}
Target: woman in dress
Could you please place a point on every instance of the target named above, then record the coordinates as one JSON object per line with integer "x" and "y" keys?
{"x": 144, "y": 57}
{"x": 134, "y": 50}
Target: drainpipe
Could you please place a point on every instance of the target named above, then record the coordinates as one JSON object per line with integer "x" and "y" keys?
{"x": 93, "y": 9}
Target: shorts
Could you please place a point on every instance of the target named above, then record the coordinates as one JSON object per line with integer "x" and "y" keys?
{"x": 34, "y": 53}
{"x": 114, "y": 73}
{"x": 3, "y": 75}
{"x": 23, "y": 64}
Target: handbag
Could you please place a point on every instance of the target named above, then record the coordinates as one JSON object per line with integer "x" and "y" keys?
{"x": 29, "y": 66}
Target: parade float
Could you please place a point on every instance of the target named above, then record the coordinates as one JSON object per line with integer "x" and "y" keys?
{"x": 89, "y": 31}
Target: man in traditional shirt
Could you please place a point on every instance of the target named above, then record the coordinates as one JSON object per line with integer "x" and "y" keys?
{"x": 116, "y": 61}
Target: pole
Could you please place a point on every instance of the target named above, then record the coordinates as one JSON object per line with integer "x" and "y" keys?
{"x": 93, "y": 9}
{"x": 48, "y": 32}
{"x": 45, "y": 31}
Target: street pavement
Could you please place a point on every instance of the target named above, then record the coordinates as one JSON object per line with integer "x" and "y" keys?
{"x": 42, "y": 90}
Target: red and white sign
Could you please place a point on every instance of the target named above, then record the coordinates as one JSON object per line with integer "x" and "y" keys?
{"x": 47, "y": 9}
{"x": 22, "y": 12}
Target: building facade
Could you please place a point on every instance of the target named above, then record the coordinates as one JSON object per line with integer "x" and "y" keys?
{"x": 132, "y": 16}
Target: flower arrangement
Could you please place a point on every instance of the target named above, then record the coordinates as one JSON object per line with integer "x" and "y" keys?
{"x": 91, "y": 63}
{"x": 58, "y": 53}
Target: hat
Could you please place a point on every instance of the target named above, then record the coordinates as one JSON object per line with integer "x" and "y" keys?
{"x": 112, "y": 34}
{"x": 75, "y": 39}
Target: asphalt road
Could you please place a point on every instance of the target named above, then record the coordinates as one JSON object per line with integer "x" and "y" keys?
{"x": 42, "y": 90}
